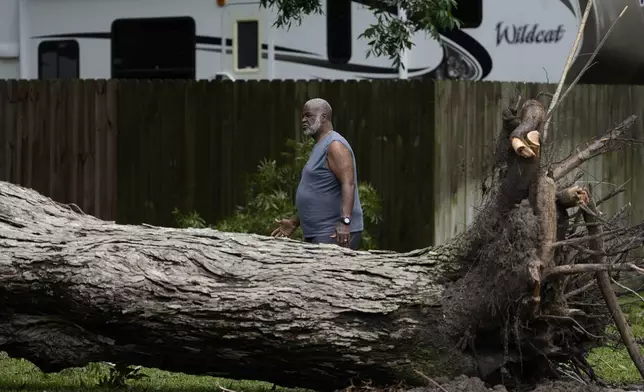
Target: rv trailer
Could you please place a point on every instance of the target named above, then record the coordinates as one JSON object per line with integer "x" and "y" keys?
{"x": 500, "y": 40}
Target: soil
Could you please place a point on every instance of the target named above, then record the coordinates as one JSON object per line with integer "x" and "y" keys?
{"x": 473, "y": 384}
{"x": 568, "y": 386}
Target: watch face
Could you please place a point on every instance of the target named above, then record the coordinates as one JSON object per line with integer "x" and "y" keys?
{"x": 346, "y": 221}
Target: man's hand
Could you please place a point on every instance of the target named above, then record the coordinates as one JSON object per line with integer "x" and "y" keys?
{"x": 342, "y": 235}
{"x": 286, "y": 228}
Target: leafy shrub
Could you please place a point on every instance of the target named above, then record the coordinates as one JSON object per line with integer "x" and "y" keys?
{"x": 120, "y": 374}
{"x": 270, "y": 195}
{"x": 191, "y": 219}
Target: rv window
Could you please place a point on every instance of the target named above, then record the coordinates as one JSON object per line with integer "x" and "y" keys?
{"x": 338, "y": 31}
{"x": 153, "y": 48}
{"x": 469, "y": 12}
{"x": 58, "y": 60}
{"x": 247, "y": 45}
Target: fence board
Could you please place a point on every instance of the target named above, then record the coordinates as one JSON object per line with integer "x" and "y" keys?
{"x": 110, "y": 201}
{"x": 86, "y": 139}
{"x": 45, "y": 128}
{"x": 10, "y": 124}
{"x": 41, "y": 147}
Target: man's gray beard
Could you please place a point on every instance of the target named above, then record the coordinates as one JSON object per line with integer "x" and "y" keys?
{"x": 313, "y": 129}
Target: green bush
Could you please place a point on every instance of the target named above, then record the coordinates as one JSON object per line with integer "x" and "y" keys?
{"x": 270, "y": 195}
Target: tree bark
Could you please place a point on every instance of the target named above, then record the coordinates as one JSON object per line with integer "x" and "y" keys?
{"x": 75, "y": 289}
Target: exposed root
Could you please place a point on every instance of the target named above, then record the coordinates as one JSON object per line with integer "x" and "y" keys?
{"x": 572, "y": 197}
{"x": 635, "y": 293}
{"x": 431, "y": 381}
{"x": 580, "y": 290}
{"x": 225, "y": 389}
{"x": 533, "y": 241}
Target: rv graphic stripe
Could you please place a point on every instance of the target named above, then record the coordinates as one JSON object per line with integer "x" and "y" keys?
{"x": 569, "y": 6}
{"x": 323, "y": 63}
{"x": 77, "y": 35}
{"x": 473, "y": 47}
{"x": 200, "y": 39}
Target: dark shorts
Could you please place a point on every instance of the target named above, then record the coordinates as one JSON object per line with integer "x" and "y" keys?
{"x": 326, "y": 239}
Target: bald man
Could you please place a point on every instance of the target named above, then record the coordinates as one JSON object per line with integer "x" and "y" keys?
{"x": 327, "y": 201}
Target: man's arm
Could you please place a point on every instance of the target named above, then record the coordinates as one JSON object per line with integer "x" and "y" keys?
{"x": 341, "y": 164}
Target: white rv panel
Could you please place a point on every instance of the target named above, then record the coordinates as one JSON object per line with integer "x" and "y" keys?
{"x": 9, "y": 40}
{"x": 89, "y": 22}
{"x": 505, "y": 40}
{"x": 9, "y": 68}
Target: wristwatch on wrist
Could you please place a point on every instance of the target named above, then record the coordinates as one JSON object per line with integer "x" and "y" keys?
{"x": 346, "y": 220}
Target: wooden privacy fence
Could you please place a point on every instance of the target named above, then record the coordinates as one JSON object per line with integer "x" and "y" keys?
{"x": 132, "y": 151}
{"x": 60, "y": 139}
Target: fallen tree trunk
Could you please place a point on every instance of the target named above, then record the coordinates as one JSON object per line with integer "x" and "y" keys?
{"x": 75, "y": 289}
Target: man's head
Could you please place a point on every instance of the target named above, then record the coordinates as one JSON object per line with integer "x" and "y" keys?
{"x": 316, "y": 116}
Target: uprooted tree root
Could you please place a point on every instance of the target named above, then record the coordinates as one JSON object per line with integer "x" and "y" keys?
{"x": 540, "y": 234}
{"x": 551, "y": 237}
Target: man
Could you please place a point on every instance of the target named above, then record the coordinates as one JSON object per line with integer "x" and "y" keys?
{"x": 327, "y": 201}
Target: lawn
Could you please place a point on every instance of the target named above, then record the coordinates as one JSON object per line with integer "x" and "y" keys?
{"x": 611, "y": 363}
{"x": 20, "y": 375}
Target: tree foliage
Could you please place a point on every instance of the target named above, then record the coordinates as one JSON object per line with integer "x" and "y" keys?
{"x": 270, "y": 194}
{"x": 391, "y": 33}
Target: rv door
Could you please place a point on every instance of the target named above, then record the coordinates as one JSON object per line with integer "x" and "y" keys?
{"x": 243, "y": 31}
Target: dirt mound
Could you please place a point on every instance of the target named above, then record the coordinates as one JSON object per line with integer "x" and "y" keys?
{"x": 474, "y": 384}
{"x": 564, "y": 386}
{"x": 460, "y": 384}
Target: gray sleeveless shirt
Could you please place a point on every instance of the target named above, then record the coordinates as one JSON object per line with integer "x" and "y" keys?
{"x": 319, "y": 196}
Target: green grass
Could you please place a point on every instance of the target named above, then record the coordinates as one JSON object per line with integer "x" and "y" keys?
{"x": 21, "y": 375}
{"x": 613, "y": 364}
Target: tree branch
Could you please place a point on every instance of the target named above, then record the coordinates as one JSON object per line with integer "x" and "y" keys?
{"x": 613, "y": 193}
{"x": 605, "y": 253}
{"x": 630, "y": 290}
{"x": 573, "y": 50}
{"x": 580, "y": 289}
{"x": 597, "y": 147}
{"x": 572, "y": 196}
{"x": 579, "y": 240}
{"x": 554, "y": 104}
{"x": 584, "y": 268}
